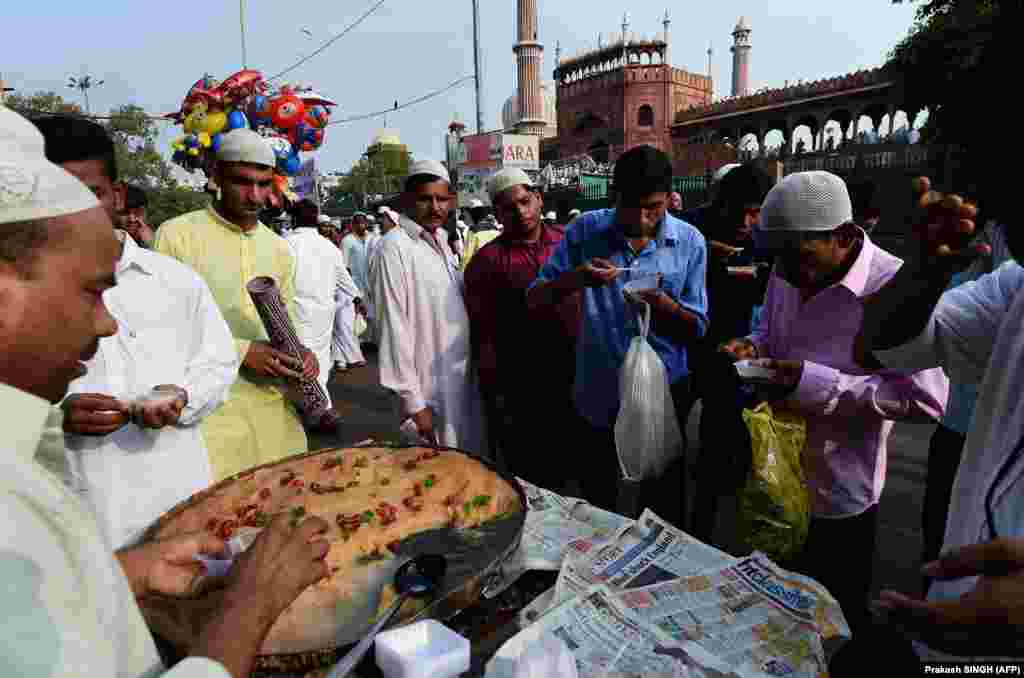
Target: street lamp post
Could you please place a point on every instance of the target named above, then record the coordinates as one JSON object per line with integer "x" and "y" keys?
{"x": 84, "y": 84}
{"x": 476, "y": 67}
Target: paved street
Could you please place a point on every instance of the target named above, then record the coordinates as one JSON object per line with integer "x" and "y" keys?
{"x": 367, "y": 411}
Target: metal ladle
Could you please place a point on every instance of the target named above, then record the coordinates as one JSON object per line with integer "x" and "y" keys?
{"x": 418, "y": 578}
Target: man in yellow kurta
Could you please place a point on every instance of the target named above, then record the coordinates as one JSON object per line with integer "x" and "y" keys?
{"x": 228, "y": 246}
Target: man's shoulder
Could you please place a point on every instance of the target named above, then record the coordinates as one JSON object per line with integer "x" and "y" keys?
{"x": 185, "y": 222}
{"x": 683, "y": 230}
{"x": 169, "y": 269}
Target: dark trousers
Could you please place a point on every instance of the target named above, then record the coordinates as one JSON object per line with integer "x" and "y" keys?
{"x": 944, "y": 453}
{"x": 840, "y": 554}
{"x": 875, "y": 650}
{"x": 532, "y": 438}
{"x": 724, "y": 458}
{"x": 597, "y": 467}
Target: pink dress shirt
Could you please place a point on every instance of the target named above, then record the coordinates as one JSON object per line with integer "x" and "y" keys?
{"x": 849, "y": 410}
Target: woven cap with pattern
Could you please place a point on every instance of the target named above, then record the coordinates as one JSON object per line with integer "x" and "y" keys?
{"x": 807, "y": 201}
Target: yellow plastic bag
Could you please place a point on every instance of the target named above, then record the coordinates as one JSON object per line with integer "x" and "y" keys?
{"x": 775, "y": 506}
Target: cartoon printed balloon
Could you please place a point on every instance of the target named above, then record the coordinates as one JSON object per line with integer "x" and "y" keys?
{"x": 291, "y": 165}
{"x": 215, "y": 122}
{"x": 215, "y": 142}
{"x": 237, "y": 120}
{"x": 316, "y": 116}
{"x": 259, "y": 111}
{"x": 286, "y": 111}
{"x": 281, "y": 146}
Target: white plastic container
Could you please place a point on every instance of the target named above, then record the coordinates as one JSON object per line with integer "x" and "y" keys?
{"x": 645, "y": 284}
{"x": 752, "y": 370}
{"x": 426, "y": 649}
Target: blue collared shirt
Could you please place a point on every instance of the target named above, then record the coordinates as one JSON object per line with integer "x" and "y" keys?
{"x": 609, "y": 324}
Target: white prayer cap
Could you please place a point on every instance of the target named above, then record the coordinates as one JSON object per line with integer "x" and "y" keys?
{"x": 723, "y": 170}
{"x": 323, "y": 219}
{"x": 372, "y": 219}
{"x": 806, "y": 201}
{"x": 383, "y": 209}
{"x": 506, "y": 179}
{"x": 244, "y": 145}
{"x": 430, "y": 168}
{"x": 475, "y": 202}
{"x": 574, "y": 213}
{"x": 359, "y": 214}
{"x": 32, "y": 187}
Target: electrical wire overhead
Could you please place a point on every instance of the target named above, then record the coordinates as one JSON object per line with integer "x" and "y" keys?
{"x": 398, "y": 107}
{"x": 329, "y": 42}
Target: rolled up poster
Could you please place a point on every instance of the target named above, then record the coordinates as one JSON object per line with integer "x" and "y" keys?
{"x": 313, "y": 401}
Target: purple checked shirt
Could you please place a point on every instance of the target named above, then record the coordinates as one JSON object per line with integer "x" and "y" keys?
{"x": 849, "y": 410}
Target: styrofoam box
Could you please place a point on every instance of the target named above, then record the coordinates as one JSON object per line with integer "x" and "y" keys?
{"x": 751, "y": 369}
{"x": 425, "y": 649}
{"x": 647, "y": 283}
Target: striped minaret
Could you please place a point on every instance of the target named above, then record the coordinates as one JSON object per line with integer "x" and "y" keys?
{"x": 529, "y": 59}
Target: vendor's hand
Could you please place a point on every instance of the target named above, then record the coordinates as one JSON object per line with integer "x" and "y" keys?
{"x": 985, "y": 621}
{"x": 787, "y": 373}
{"x": 945, "y": 228}
{"x": 267, "y": 361}
{"x": 739, "y": 349}
{"x": 280, "y": 564}
{"x": 597, "y": 272}
{"x": 424, "y": 420}
{"x": 168, "y": 566}
{"x": 159, "y": 414}
{"x": 310, "y": 365}
{"x": 94, "y": 414}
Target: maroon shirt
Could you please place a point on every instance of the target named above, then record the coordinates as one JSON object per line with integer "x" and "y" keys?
{"x": 516, "y": 350}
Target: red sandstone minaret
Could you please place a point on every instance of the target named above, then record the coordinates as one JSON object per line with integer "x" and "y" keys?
{"x": 741, "y": 58}
{"x": 529, "y": 58}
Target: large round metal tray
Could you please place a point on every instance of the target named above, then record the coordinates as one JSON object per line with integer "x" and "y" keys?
{"x": 474, "y": 556}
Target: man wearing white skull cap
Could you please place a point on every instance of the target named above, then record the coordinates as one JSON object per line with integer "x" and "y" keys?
{"x": 228, "y": 246}
{"x": 70, "y": 604}
{"x": 171, "y": 337}
{"x": 424, "y": 328}
{"x": 824, "y": 267}
{"x": 356, "y": 246}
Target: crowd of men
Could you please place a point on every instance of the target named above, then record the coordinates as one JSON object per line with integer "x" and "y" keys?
{"x": 135, "y": 370}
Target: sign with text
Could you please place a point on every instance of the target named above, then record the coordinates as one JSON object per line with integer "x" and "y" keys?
{"x": 520, "y": 151}
{"x": 478, "y": 153}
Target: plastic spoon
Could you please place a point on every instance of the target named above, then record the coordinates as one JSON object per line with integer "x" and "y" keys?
{"x": 418, "y": 578}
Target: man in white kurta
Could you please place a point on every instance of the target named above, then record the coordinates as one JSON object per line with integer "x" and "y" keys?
{"x": 170, "y": 332}
{"x": 320, "y": 278}
{"x": 356, "y": 246}
{"x": 424, "y": 327}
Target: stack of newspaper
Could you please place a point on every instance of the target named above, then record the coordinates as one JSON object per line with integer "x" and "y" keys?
{"x": 645, "y": 598}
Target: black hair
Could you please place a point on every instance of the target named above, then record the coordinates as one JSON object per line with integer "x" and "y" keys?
{"x": 75, "y": 139}
{"x": 747, "y": 184}
{"x": 134, "y": 197}
{"x": 641, "y": 171}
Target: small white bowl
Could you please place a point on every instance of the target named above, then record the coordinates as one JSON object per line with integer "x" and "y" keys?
{"x": 752, "y": 370}
{"x": 426, "y": 649}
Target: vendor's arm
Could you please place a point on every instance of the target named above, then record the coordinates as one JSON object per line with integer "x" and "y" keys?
{"x": 213, "y": 360}
{"x": 398, "y": 372}
{"x": 481, "y": 305}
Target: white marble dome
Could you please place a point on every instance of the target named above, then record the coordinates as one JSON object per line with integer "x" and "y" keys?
{"x": 510, "y": 111}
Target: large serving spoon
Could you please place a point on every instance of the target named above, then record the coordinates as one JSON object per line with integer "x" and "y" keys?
{"x": 418, "y": 578}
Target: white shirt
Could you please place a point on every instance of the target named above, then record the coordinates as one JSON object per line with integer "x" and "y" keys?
{"x": 975, "y": 335}
{"x": 424, "y": 334}
{"x": 67, "y": 607}
{"x": 322, "y": 281}
{"x": 357, "y": 254}
{"x": 170, "y": 331}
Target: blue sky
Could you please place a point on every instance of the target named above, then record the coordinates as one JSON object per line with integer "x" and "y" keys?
{"x": 149, "y": 53}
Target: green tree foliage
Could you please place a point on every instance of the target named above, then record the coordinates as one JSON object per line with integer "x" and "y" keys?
{"x": 958, "y": 61}
{"x": 139, "y": 161}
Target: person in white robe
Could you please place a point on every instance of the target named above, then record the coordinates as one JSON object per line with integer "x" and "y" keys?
{"x": 424, "y": 326}
{"x": 356, "y": 246}
{"x": 321, "y": 279}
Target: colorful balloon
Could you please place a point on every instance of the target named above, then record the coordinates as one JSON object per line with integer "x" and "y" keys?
{"x": 291, "y": 165}
{"x": 215, "y": 122}
{"x": 286, "y": 111}
{"x": 215, "y": 142}
{"x": 237, "y": 120}
{"x": 316, "y": 116}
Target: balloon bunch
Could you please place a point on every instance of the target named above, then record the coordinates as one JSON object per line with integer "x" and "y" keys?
{"x": 293, "y": 118}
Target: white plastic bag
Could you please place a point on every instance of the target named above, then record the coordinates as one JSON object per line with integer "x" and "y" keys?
{"x": 647, "y": 435}
{"x": 546, "y": 657}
